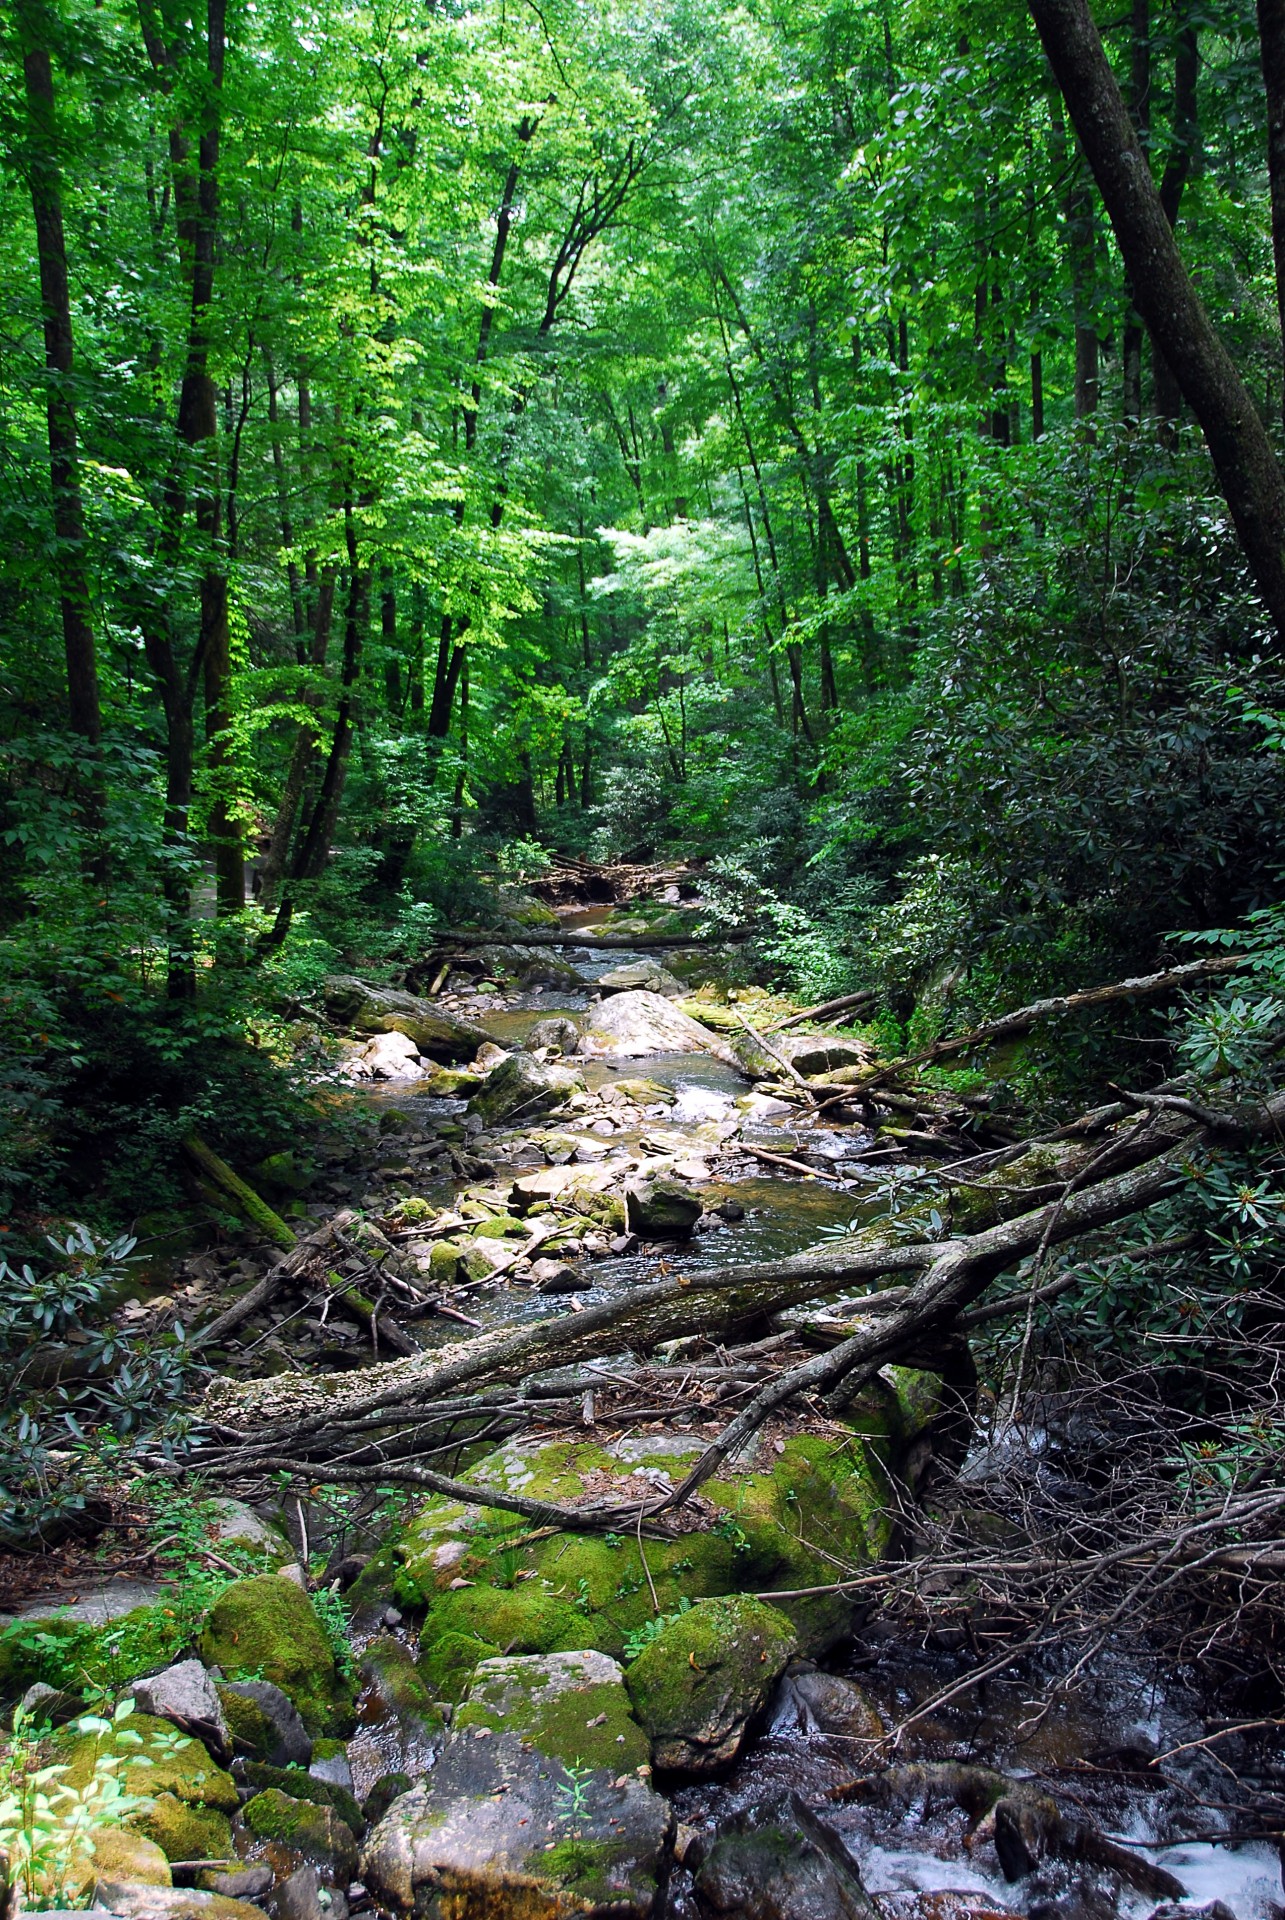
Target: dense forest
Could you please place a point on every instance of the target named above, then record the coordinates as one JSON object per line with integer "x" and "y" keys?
{"x": 790, "y": 494}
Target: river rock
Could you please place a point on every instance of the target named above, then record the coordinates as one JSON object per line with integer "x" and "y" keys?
{"x": 303, "y": 1786}
{"x": 660, "y": 1209}
{"x": 231, "y": 1524}
{"x": 559, "y": 1276}
{"x": 556, "y": 1030}
{"x": 631, "y": 1025}
{"x": 136, "y": 1902}
{"x": 795, "y": 1868}
{"x": 267, "y": 1626}
{"x": 536, "y": 1805}
{"x": 265, "y": 1723}
{"x": 706, "y": 1677}
{"x": 389, "y": 1056}
{"x": 186, "y": 1798}
{"x": 640, "y": 976}
{"x": 440, "y": 1035}
{"x": 817, "y": 1702}
{"x": 521, "y": 1087}
{"x": 122, "y": 1855}
{"x": 184, "y": 1695}
{"x": 806, "y": 1052}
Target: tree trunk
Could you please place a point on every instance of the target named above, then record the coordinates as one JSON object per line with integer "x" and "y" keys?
{"x": 44, "y": 179}
{"x": 1175, "y": 315}
{"x": 1271, "y": 35}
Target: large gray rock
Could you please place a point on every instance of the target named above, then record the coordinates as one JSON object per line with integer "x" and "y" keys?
{"x": 521, "y": 1087}
{"x": 537, "y": 1805}
{"x": 640, "y": 976}
{"x": 556, "y": 1030}
{"x": 699, "y": 1686}
{"x": 806, "y": 1052}
{"x": 184, "y": 1695}
{"x": 441, "y": 1035}
{"x": 631, "y": 1025}
{"x": 795, "y": 1868}
{"x": 660, "y": 1208}
{"x": 231, "y": 1523}
{"x": 134, "y": 1901}
{"x": 388, "y": 1056}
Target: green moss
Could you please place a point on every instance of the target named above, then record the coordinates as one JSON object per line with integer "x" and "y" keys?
{"x": 154, "y": 1759}
{"x": 253, "y": 1734}
{"x": 185, "y": 1833}
{"x": 69, "y": 1653}
{"x": 447, "y": 1663}
{"x": 266, "y": 1628}
{"x": 375, "y": 1585}
{"x": 302, "y": 1786}
{"x": 730, "y": 1648}
{"x": 582, "y": 1869}
{"x": 526, "y": 1620}
{"x": 587, "y": 1726}
{"x": 316, "y": 1833}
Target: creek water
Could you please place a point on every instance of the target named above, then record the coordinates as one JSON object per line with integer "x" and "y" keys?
{"x": 1093, "y": 1747}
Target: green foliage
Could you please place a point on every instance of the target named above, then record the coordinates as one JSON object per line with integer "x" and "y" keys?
{"x": 642, "y": 1636}
{"x": 47, "y": 1827}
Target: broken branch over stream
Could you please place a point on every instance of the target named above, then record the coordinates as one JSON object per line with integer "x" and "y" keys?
{"x": 355, "y": 1427}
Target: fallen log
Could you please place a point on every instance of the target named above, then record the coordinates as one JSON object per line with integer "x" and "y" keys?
{"x": 270, "y": 1285}
{"x": 846, "y": 1003}
{"x": 585, "y": 937}
{"x": 1010, "y": 1025}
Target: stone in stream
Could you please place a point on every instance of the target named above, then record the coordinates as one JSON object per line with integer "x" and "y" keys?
{"x": 389, "y": 1056}
{"x": 186, "y": 1798}
{"x": 640, "y": 976}
{"x": 366, "y": 1009}
{"x": 793, "y": 1867}
{"x": 134, "y": 1901}
{"x": 660, "y": 1209}
{"x": 630, "y": 1025}
{"x": 555, "y": 1030}
{"x": 705, "y": 1679}
{"x": 288, "y": 1832}
{"x": 521, "y": 1087}
{"x": 806, "y": 1052}
{"x": 184, "y": 1695}
{"x": 817, "y": 1702}
{"x": 557, "y": 1276}
{"x": 538, "y": 1805}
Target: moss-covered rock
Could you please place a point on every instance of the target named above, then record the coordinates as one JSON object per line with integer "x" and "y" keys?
{"x": 701, "y": 1683}
{"x": 184, "y": 1832}
{"x": 393, "y": 1677}
{"x": 120, "y": 1854}
{"x": 62, "y": 1648}
{"x": 152, "y": 1759}
{"x": 303, "y": 1786}
{"x": 266, "y": 1628}
{"x": 571, "y": 1706}
{"x": 290, "y": 1832}
{"x": 781, "y": 1521}
{"x": 448, "y": 1662}
{"x": 264, "y": 1723}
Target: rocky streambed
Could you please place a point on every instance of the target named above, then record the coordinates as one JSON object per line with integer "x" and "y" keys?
{"x": 431, "y": 1707}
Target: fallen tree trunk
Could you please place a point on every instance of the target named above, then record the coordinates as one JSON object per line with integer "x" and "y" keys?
{"x": 586, "y": 937}
{"x": 1010, "y": 1025}
{"x": 291, "y": 1407}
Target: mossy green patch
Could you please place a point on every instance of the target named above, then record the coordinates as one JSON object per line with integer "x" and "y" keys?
{"x": 266, "y": 1629}
{"x": 447, "y": 1662}
{"x": 589, "y": 1726}
{"x": 302, "y": 1786}
{"x": 527, "y": 1619}
{"x": 183, "y": 1832}
{"x": 582, "y": 1869}
{"x": 705, "y": 1675}
{"x": 71, "y": 1654}
{"x": 299, "y": 1827}
{"x": 154, "y": 1759}
{"x": 253, "y": 1734}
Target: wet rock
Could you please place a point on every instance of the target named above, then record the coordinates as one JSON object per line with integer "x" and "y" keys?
{"x": 265, "y": 1723}
{"x": 1186, "y": 1910}
{"x": 522, "y": 1087}
{"x": 660, "y": 1209}
{"x": 51, "y": 1706}
{"x": 395, "y": 1684}
{"x": 540, "y": 968}
{"x": 135, "y": 1902}
{"x": 630, "y": 1025}
{"x": 334, "y": 1767}
{"x": 534, "y": 1805}
{"x": 817, "y": 1702}
{"x": 290, "y": 1832}
{"x": 702, "y": 1682}
{"x": 640, "y": 976}
{"x": 795, "y": 1868}
{"x": 367, "y": 1009}
{"x": 558, "y": 1276}
{"x": 947, "y": 1903}
{"x": 184, "y": 1695}
{"x": 555, "y": 1030}
{"x": 267, "y": 1626}
{"x": 730, "y": 1211}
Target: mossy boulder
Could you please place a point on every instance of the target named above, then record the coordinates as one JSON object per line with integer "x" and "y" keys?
{"x": 572, "y": 1706}
{"x": 780, "y": 1521}
{"x": 122, "y": 1855}
{"x": 698, "y": 1687}
{"x": 392, "y": 1676}
{"x": 153, "y": 1759}
{"x": 266, "y": 1628}
{"x": 289, "y": 1831}
{"x": 184, "y": 1832}
{"x": 64, "y": 1648}
{"x": 304, "y": 1786}
{"x": 264, "y": 1723}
